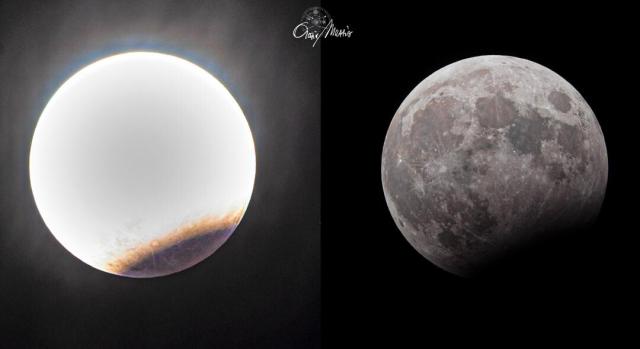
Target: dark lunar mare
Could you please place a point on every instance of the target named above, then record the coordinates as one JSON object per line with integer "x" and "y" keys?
{"x": 479, "y": 164}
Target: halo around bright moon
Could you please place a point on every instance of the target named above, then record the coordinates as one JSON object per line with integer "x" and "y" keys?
{"x": 142, "y": 164}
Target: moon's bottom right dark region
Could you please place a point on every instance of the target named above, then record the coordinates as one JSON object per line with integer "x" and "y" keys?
{"x": 489, "y": 155}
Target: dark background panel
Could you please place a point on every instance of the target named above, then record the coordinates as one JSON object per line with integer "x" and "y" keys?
{"x": 375, "y": 285}
{"x": 262, "y": 288}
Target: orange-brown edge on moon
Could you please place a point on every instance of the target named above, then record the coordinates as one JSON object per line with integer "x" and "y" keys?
{"x": 186, "y": 231}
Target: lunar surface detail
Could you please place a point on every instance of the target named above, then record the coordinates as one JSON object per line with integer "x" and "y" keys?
{"x": 489, "y": 155}
{"x": 142, "y": 164}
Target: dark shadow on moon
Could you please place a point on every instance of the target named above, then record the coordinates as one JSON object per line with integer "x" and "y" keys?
{"x": 492, "y": 165}
{"x": 541, "y": 258}
{"x": 178, "y": 249}
{"x": 182, "y": 255}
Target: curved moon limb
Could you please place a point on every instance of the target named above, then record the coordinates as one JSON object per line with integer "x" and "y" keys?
{"x": 488, "y": 155}
{"x": 181, "y": 248}
{"x": 142, "y": 164}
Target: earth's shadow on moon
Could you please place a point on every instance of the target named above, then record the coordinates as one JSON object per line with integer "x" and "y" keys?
{"x": 559, "y": 253}
{"x": 491, "y": 162}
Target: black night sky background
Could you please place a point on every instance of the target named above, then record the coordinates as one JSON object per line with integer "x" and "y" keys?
{"x": 317, "y": 260}
{"x": 376, "y": 287}
{"x": 262, "y": 288}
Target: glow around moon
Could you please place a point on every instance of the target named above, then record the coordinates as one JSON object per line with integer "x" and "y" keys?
{"x": 142, "y": 164}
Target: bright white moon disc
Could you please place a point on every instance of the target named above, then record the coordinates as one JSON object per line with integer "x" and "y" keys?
{"x": 142, "y": 164}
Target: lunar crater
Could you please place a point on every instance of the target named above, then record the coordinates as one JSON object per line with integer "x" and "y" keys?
{"x": 507, "y": 151}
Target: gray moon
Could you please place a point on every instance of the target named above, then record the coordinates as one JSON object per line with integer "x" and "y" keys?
{"x": 488, "y": 155}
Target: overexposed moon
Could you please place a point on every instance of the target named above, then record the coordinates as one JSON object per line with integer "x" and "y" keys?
{"x": 142, "y": 164}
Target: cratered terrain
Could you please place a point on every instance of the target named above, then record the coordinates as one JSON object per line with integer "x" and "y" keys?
{"x": 488, "y": 155}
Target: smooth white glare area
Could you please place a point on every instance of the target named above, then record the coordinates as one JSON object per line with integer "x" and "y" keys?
{"x": 134, "y": 146}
